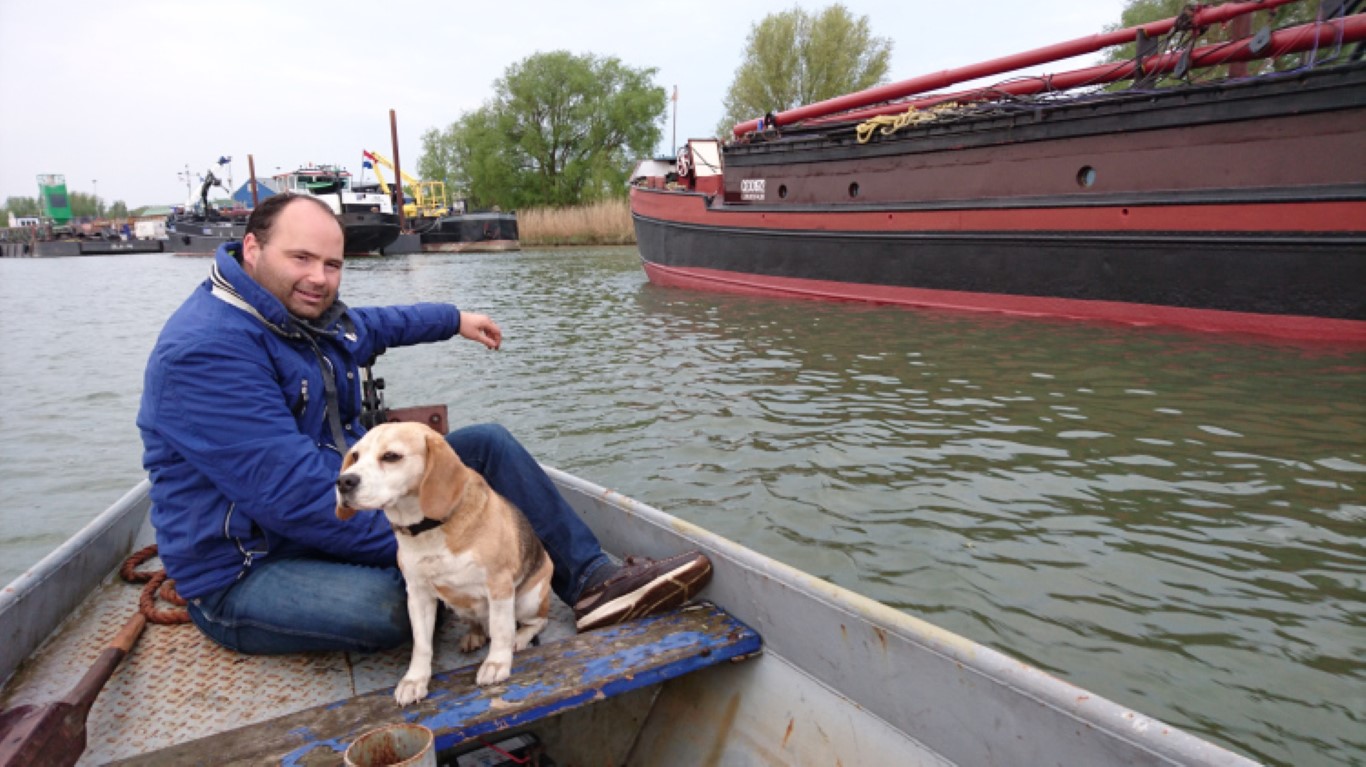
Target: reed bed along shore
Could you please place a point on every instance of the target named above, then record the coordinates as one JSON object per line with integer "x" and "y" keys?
{"x": 600, "y": 223}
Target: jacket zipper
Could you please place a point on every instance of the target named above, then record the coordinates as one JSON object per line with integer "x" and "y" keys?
{"x": 248, "y": 556}
{"x": 303, "y": 399}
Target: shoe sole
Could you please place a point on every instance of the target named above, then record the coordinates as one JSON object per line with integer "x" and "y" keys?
{"x": 666, "y": 592}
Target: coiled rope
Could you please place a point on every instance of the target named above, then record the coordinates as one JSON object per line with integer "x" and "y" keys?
{"x": 157, "y": 585}
{"x": 886, "y": 125}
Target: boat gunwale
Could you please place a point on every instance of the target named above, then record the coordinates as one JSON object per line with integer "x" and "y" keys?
{"x": 35, "y": 603}
{"x": 1012, "y": 676}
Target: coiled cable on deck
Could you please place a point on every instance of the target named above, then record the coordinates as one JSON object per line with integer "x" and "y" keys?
{"x": 889, "y": 124}
{"x": 157, "y": 585}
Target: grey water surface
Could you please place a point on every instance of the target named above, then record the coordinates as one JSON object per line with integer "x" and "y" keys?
{"x": 1172, "y": 520}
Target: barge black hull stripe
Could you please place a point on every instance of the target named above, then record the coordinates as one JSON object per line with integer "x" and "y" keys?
{"x": 1314, "y": 275}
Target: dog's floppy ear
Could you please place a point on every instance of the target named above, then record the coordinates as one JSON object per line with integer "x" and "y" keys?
{"x": 443, "y": 479}
{"x": 346, "y": 512}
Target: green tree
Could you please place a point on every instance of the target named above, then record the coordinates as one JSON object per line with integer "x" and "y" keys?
{"x": 474, "y": 161}
{"x": 20, "y": 207}
{"x": 560, "y": 129}
{"x": 82, "y": 204}
{"x": 118, "y": 210}
{"x": 793, "y": 58}
{"x": 1139, "y": 12}
{"x": 437, "y": 163}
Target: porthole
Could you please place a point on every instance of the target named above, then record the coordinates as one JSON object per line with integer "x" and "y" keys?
{"x": 782, "y": 191}
{"x": 853, "y": 189}
{"x": 1086, "y": 176}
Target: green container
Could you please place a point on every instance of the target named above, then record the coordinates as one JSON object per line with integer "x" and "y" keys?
{"x": 53, "y": 199}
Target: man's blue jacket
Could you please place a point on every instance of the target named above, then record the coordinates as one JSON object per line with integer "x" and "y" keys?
{"x": 235, "y": 432}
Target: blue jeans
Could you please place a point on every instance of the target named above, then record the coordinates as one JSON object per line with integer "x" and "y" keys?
{"x": 304, "y": 604}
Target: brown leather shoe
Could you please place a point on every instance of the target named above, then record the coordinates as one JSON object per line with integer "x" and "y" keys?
{"x": 642, "y": 587}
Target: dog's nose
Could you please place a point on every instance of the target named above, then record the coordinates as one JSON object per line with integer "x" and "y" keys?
{"x": 348, "y": 482}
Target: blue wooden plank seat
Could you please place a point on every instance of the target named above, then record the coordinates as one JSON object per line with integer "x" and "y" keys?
{"x": 546, "y": 680}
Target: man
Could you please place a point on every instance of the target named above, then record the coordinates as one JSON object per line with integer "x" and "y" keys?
{"x": 251, "y": 398}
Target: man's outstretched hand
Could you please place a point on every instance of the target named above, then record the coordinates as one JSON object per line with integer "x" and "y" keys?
{"x": 481, "y": 328}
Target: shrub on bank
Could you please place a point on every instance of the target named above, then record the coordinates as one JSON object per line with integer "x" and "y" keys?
{"x": 601, "y": 223}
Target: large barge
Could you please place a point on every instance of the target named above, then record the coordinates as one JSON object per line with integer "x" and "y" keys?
{"x": 479, "y": 232}
{"x": 1232, "y": 204}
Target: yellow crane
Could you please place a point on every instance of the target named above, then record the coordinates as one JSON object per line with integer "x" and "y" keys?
{"x": 429, "y": 197}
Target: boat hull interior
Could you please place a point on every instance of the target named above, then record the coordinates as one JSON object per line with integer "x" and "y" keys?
{"x": 840, "y": 678}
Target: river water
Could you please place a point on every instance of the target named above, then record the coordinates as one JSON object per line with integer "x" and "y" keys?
{"x": 1172, "y": 520}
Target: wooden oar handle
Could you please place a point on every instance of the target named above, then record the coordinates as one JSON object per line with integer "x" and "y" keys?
{"x": 83, "y": 694}
{"x": 128, "y": 635}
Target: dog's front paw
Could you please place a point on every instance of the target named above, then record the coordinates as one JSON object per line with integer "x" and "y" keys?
{"x": 412, "y": 689}
{"x": 494, "y": 670}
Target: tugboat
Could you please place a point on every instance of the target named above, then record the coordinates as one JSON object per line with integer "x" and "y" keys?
{"x": 199, "y": 228}
{"x": 367, "y": 218}
{"x": 1190, "y": 198}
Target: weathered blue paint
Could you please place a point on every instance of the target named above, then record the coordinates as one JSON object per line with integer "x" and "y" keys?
{"x": 292, "y": 759}
{"x": 602, "y": 676}
{"x": 546, "y": 681}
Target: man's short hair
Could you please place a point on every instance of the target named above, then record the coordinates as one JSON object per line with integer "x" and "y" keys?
{"x": 262, "y": 218}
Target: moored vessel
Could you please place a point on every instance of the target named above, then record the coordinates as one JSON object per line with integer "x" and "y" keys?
{"x": 483, "y": 231}
{"x": 198, "y": 227}
{"x": 367, "y": 218}
{"x": 56, "y": 233}
{"x": 1215, "y": 204}
{"x": 191, "y": 232}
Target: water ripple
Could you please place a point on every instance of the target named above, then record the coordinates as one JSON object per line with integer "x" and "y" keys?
{"x": 1174, "y": 521}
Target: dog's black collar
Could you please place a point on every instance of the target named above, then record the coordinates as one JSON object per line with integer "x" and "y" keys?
{"x": 419, "y": 528}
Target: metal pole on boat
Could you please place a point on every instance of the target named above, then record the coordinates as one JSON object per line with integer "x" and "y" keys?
{"x": 1238, "y": 29}
{"x": 398, "y": 174}
{"x": 251, "y": 169}
{"x": 189, "y": 190}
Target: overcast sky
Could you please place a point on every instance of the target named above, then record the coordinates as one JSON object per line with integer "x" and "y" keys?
{"x": 121, "y": 97}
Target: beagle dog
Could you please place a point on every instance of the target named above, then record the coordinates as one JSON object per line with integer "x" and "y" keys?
{"x": 458, "y": 540}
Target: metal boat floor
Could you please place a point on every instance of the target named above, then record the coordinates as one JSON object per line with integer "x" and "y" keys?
{"x": 177, "y": 685}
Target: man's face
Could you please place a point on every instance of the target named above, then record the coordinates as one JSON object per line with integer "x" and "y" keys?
{"x": 302, "y": 263}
